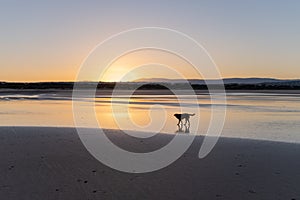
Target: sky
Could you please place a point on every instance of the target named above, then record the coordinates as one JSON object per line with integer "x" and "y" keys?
{"x": 49, "y": 40}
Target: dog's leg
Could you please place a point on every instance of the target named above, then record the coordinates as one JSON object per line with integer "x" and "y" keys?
{"x": 187, "y": 120}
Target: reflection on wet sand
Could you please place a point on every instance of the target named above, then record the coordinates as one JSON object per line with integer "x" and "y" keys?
{"x": 183, "y": 128}
{"x": 249, "y": 115}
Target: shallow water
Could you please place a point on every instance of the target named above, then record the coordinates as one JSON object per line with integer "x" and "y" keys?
{"x": 267, "y": 116}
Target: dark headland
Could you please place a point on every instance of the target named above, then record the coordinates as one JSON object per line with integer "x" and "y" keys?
{"x": 164, "y": 84}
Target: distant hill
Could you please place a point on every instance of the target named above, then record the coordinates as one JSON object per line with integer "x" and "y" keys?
{"x": 152, "y": 84}
{"x": 284, "y": 83}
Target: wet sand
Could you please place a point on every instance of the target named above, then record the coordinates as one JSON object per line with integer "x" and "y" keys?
{"x": 51, "y": 163}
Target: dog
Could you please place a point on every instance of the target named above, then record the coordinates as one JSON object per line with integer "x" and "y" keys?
{"x": 182, "y": 116}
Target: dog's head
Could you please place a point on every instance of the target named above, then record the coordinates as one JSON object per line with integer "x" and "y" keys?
{"x": 177, "y": 115}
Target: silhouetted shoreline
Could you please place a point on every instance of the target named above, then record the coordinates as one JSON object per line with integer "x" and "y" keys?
{"x": 243, "y": 85}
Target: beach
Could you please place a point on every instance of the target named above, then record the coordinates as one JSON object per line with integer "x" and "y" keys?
{"x": 52, "y": 163}
{"x": 150, "y": 100}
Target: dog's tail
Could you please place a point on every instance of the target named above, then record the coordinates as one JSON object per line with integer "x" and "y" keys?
{"x": 192, "y": 114}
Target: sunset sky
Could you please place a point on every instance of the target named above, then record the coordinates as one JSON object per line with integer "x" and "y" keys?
{"x": 48, "y": 40}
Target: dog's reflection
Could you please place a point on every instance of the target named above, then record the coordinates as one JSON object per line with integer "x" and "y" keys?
{"x": 183, "y": 128}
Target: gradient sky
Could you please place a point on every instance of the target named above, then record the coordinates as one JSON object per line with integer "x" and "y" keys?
{"x": 48, "y": 40}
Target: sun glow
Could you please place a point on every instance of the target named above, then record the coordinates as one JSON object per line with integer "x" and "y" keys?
{"x": 115, "y": 74}
{"x": 148, "y": 64}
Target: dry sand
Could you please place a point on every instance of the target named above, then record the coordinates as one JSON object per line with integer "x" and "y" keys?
{"x": 51, "y": 163}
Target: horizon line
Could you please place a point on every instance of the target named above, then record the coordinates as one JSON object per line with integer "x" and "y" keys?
{"x": 73, "y": 81}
